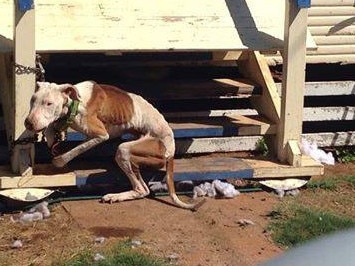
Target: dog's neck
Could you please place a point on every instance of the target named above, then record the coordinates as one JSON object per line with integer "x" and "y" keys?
{"x": 63, "y": 123}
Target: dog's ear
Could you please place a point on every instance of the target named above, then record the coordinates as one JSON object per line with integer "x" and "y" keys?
{"x": 70, "y": 91}
{"x": 40, "y": 85}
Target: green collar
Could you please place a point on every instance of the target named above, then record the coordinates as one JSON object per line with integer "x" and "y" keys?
{"x": 63, "y": 123}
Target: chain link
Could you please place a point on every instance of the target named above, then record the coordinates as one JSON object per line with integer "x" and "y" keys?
{"x": 24, "y": 141}
{"x": 38, "y": 70}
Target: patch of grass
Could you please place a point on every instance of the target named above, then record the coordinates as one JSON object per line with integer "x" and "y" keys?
{"x": 346, "y": 154}
{"x": 262, "y": 147}
{"x": 120, "y": 255}
{"x": 297, "y": 224}
{"x": 327, "y": 184}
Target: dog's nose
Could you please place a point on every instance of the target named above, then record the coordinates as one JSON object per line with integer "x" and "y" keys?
{"x": 28, "y": 124}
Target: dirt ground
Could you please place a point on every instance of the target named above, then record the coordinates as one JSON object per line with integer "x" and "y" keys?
{"x": 209, "y": 236}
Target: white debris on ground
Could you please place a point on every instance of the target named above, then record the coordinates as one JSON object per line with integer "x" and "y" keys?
{"x": 136, "y": 243}
{"x": 98, "y": 257}
{"x": 39, "y": 212}
{"x": 17, "y": 244}
{"x": 245, "y": 222}
{"x": 215, "y": 188}
{"x": 312, "y": 150}
{"x": 99, "y": 240}
{"x": 292, "y": 192}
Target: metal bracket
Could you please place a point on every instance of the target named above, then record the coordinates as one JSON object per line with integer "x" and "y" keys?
{"x": 304, "y": 3}
{"x": 24, "y": 5}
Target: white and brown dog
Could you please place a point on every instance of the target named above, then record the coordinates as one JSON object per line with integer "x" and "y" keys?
{"x": 103, "y": 112}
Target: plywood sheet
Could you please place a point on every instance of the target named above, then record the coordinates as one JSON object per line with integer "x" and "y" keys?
{"x": 160, "y": 25}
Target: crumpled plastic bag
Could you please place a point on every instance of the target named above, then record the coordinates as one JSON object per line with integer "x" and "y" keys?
{"x": 312, "y": 150}
{"x": 215, "y": 188}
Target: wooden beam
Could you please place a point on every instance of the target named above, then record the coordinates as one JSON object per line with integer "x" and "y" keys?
{"x": 254, "y": 67}
{"x": 24, "y": 83}
{"x": 293, "y": 83}
{"x": 294, "y": 156}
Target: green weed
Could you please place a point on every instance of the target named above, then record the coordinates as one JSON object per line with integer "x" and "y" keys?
{"x": 120, "y": 255}
{"x": 298, "y": 224}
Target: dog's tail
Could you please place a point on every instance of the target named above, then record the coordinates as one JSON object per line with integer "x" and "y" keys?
{"x": 171, "y": 188}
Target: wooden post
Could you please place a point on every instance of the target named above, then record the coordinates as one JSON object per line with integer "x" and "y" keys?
{"x": 22, "y": 154}
{"x": 293, "y": 82}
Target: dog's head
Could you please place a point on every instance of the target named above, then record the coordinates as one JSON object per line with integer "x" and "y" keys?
{"x": 49, "y": 103}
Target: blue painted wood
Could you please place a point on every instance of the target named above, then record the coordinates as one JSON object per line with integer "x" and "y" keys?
{"x": 24, "y": 5}
{"x": 205, "y": 132}
{"x": 194, "y": 169}
{"x": 304, "y": 3}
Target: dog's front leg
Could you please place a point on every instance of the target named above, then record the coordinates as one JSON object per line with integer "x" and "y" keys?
{"x": 63, "y": 159}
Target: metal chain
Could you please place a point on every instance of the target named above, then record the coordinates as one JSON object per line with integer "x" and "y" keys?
{"x": 38, "y": 70}
{"x": 24, "y": 141}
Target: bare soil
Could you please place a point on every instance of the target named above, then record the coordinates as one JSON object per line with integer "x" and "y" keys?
{"x": 209, "y": 236}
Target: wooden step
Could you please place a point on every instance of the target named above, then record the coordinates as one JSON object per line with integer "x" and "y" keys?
{"x": 200, "y": 168}
{"x": 227, "y": 126}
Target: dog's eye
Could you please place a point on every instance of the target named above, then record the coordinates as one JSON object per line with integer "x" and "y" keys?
{"x": 49, "y": 103}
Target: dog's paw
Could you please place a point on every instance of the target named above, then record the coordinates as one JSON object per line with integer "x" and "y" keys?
{"x": 110, "y": 198}
{"x": 58, "y": 161}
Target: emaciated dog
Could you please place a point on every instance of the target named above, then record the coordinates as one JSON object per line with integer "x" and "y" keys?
{"x": 102, "y": 112}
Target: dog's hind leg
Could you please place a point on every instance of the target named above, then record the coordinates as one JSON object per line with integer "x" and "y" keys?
{"x": 130, "y": 156}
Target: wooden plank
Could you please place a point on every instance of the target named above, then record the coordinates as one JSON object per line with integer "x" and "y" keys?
{"x": 293, "y": 82}
{"x": 22, "y": 156}
{"x": 331, "y": 11}
{"x": 133, "y": 26}
{"x": 220, "y": 126}
{"x": 332, "y": 30}
{"x": 10, "y": 180}
{"x": 209, "y": 145}
{"x": 330, "y": 58}
{"x": 193, "y": 89}
{"x": 334, "y": 49}
{"x": 269, "y": 169}
{"x": 332, "y": 20}
{"x": 206, "y": 168}
{"x": 316, "y": 59}
{"x": 331, "y": 139}
{"x": 335, "y": 40}
{"x": 334, "y": 3}
{"x": 331, "y": 113}
{"x": 294, "y": 156}
{"x": 326, "y": 88}
{"x": 253, "y": 66}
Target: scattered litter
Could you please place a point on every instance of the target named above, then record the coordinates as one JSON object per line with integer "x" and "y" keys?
{"x": 41, "y": 207}
{"x": 280, "y": 193}
{"x": 173, "y": 257}
{"x": 158, "y": 187}
{"x": 136, "y": 243}
{"x": 292, "y": 192}
{"x": 311, "y": 149}
{"x": 39, "y": 212}
{"x": 30, "y": 217}
{"x": 17, "y": 244}
{"x": 245, "y": 222}
{"x": 225, "y": 189}
{"x": 100, "y": 240}
{"x": 98, "y": 257}
{"x": 204, "y": 189}
{"x": 216, "y": 187}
